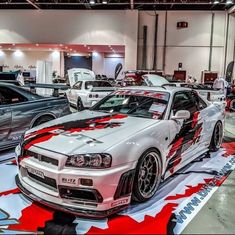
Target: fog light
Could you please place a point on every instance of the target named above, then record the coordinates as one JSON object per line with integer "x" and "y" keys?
{"x": 86, "y": 182}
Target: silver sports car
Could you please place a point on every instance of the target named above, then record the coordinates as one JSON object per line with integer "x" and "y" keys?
{"x": 95, "y": 162}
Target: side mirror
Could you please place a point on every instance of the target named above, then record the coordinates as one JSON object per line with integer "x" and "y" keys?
{"x": 181, "y": 114}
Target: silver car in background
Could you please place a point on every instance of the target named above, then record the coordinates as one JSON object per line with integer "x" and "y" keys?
{"x": 21, "y": 110}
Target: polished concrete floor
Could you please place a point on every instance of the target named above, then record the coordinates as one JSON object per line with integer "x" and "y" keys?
{"x": 218, "y": 215}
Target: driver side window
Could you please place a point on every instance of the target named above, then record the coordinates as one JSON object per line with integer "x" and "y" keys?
{"x": 9, "y": 96}
{"x": 183, "y": 101}
{"x": 77, "y": 86}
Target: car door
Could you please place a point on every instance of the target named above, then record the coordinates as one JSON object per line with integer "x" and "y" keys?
{"x": 14, "y": 103}
{"x": 73, "y": 93}
{"x": 183, "y": 137}
{"x": 5, "y": 121}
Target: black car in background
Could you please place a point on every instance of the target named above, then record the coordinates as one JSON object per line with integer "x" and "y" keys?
{"x": 21, "y": 110}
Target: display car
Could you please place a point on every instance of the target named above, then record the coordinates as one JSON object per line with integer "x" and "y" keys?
{"x": 21, "y": 110}
{"x": 94, "y": 162}
{"x": 206, "y": 91}
{"x": 85, "y": 93}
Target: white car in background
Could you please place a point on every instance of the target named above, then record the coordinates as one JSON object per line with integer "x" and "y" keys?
{"x": 154, "y": 80}
{"x": 209, "y": 93}
{"x": 86, "y": 93}
{"x": 94, "y": 162}
{"x": 78, "y": 74}
{"x": 205, "y": 91}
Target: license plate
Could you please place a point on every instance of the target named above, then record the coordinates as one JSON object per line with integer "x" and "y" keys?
{"x": 35, "y": 172}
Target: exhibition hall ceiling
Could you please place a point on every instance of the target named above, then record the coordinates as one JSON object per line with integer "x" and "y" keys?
{"x": 118, "y": 4}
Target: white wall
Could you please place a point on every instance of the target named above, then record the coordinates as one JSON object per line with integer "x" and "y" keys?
{"x": 76, "y": 27}
{"x": 189, "y": 46}
{"x": 29, "y": 58}
{"x": 110, "y": 65}
{"x": 98, "y": 63}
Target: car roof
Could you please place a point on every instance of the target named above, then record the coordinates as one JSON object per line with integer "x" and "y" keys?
{"x": 169, "y": 89}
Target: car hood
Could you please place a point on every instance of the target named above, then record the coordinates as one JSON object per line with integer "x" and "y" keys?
{"x": 85, "y": 132}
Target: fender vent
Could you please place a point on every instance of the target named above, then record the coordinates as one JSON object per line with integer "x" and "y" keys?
{"x": 125, "y": 184}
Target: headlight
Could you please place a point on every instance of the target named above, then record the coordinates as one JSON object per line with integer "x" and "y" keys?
{"x": 93, "y": 160}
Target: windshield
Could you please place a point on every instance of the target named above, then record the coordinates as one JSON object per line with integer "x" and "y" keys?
{"x": 146, "y": 104}
{"x": 90, "y": 84}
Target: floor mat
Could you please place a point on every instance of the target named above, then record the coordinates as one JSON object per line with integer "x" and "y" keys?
{"x": 178, "y": 200}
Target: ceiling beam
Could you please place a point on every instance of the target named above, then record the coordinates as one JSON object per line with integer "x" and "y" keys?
{"x": 33, "y": 4}
{"x": 132, "y": 4}
{"x": 113, "y": 4}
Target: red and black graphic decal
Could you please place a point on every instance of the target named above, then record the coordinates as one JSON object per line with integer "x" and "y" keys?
{"x": 188, "y": 135}
{"x": 90, "y": 124}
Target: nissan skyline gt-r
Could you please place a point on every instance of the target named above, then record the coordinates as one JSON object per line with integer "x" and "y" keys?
{"x": 85, "y": 93}
{"x": 94, "y": 162}
{"x": 21, "y": 110}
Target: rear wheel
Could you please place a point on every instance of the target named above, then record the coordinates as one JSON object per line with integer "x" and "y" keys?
{"x": 216, "y": 139}
{"x": 42, "y": 120}
{"x": 147, "y": 176}
{"x": 80, "y": 106}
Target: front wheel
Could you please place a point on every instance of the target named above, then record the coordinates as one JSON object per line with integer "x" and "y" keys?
{"x": 147, "y": 176}
{"x": 216, "y": 139}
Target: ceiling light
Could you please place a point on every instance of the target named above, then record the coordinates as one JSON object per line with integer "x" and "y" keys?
{"x": 18, "y": 53}
{"x": 55, "y": 54}
{"x": 84, "y": 45}
{"x": 70, "y": 49}
{"x": 104, "y": 1}
{"x": 66, "y": 47}
{"x": 37, "y": 44}
{"x": 88, "y": 48}
{"x": 92, "y": 1}
{"x": 61, "y": 45}
{"x": 229, "y": 2}
{"x": 9, "y": 48}
{"x": 95, "y": 54}
{"x": 13, "y": 44}
{"x": 1, "y": 53}
{"x": 216, "y": 2}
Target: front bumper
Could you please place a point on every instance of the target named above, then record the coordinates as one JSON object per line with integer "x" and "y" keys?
{"x": 57, "y": 180}
{"x": 68, "y": 209}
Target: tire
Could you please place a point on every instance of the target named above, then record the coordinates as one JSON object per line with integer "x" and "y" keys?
{"x": 42, "y": 120}
{"x": 80, "y": 106}
{"x": 217, "y": 136}
{"x": 147, "y": 176}
{"x": 232, "y": 105}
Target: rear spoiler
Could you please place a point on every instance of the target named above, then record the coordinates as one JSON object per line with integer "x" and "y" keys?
{"x": 103, "y": 89}
{"x": 55, "y": 87}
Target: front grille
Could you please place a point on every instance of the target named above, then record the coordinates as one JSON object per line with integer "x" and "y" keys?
{"x": 125, "y": 185}
{"x": 81, "y": 194}
{"x": 41, "y": 158}
{"x": 47, "y": 181}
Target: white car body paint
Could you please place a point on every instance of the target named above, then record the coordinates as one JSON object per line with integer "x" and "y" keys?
{"x": 78, "y": 74}
{"x": 125, "y": 143}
